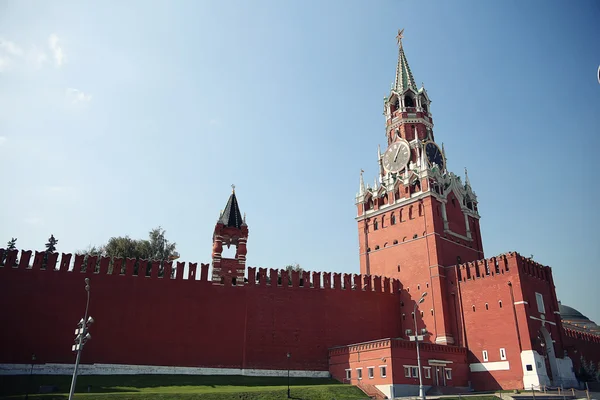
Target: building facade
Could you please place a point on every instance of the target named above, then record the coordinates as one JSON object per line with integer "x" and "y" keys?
{"x": 485, "y": 323}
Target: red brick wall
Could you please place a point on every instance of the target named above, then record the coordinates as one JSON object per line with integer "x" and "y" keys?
{"x": 395, "y": 354}
{"x": 160, "y": 321}
{"x": 578, "y": 344}
{"x": 493, "y": 328}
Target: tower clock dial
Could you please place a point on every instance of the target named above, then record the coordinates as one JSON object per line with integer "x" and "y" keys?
{"x": 396, "y": 156}
{"x": 434, "y": 155}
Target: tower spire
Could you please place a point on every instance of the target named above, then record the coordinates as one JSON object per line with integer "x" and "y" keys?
{"x": 404, "y": 77}
{"x": 380, "y": 161}
{"x": 467, "y": 182}
{"x": 361, "y": 188}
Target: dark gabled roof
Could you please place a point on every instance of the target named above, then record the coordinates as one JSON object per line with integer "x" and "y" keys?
{"x": 232, "y": 217}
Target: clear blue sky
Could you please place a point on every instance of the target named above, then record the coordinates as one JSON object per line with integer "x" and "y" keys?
{"x": 117, "y": 117}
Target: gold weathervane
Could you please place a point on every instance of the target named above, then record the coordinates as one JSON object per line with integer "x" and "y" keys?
{"x": 233, "y": 188}
{"x": 400, "y": 36}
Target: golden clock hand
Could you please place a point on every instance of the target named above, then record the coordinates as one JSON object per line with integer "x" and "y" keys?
{"x": 397, "y": 152}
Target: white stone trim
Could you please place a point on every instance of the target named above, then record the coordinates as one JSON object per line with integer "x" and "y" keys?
{"x": 458, "y": 235}
{"x": 520, "y": 302}
{"x": 124, "y": 369}
{"x": 439, "y": 362}
{"x": 543, "y": 320}
{"x": 490, "y": 366}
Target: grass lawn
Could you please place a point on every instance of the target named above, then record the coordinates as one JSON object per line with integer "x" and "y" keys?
{"x": 178, "y": 387}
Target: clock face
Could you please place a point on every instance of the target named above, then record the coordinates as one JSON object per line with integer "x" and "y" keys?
{"x": 396, "y": 156}
{"x": 434, "y": 155}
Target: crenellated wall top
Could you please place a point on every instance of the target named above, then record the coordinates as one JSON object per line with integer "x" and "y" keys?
{"x": 27, "y": 261}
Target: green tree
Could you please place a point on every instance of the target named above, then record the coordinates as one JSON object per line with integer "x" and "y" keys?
{"x": 156, "y": 247}
{"x": 289, "y": 268}
{"x": 11, "y": 245}
{"x": 51, "y": 245}
{"x": 50, "y": 248}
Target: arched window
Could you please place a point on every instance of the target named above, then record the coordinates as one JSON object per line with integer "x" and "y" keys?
{"x": 486, "y": 306}
{"x": 399, "y": 271}
{"x": 432, "y": 311}
{"x": 383, "y": 221}
{"x": 410, "y": 212}
{"x": 473, "y": 308}
{"x": 420, "y": 209}
{"x": 500, "y": 303}
{"x": 393, "y": 219}
{"x": 395, "y": 241}
{"x": 401, "y": 215}
{"x": 424, "y": 105}
{"x": 394, "y": 104}
{"x": 408, "y": 101}
{"x": 375, "y": 225}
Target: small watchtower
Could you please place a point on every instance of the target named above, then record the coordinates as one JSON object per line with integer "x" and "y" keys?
{"x": 231, "y": 229}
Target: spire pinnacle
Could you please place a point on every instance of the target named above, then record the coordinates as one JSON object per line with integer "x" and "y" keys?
{"x": 467, "y": 182}
{"x": 404, "y": 77}
{"x": 231, "y": 216}
{"x": 361, "y": 188}
{"x": 400, "y": 36}
{"x": 233, "y": 188}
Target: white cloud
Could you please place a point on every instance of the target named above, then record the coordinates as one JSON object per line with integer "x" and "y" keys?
{"x": 11, "y": 48}
{"x": 77, "y": 96}
{"x": 57, "y": 51}
{"x": 3, "y": 140}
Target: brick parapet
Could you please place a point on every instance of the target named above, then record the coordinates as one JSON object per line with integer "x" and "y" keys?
{"x": 93, "y": 265}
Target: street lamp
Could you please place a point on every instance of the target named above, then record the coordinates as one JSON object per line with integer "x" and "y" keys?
{"x": 416, "y": 339}
{"x": 289, "y": 355}
{"x": 82, "y": 337}
{"x": 30, "y": 377}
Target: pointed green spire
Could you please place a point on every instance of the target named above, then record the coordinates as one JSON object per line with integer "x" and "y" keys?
{"x": 404, "y": 77}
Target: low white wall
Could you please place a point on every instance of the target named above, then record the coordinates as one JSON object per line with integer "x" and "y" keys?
{"x": 385, "y": 389}
{"x": 490, "y": 366}
{"x": 122, "y": 369}
{"x": 566, "y": 373}
{"x": 538, "y": 375}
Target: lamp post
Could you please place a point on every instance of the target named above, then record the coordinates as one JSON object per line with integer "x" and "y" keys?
{"x": 30, "y": 377}
{"x": 416, "y": 339}
{"x": 289, "y": 355}
{"x": 82, "y": 337}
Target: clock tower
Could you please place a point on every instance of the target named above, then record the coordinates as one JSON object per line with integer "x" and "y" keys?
{"x": 418, "y": 219}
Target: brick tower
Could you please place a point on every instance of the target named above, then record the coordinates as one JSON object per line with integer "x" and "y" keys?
{"x": 418, "y": 218}
{"x": 231, "y": 229}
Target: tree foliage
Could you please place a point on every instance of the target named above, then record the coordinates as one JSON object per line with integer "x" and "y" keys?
{"x": 156, "y": 247}
{"x": 588, "y": 371}
{"x": 51, "y": 245}
{"x": 11, "y": 245}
